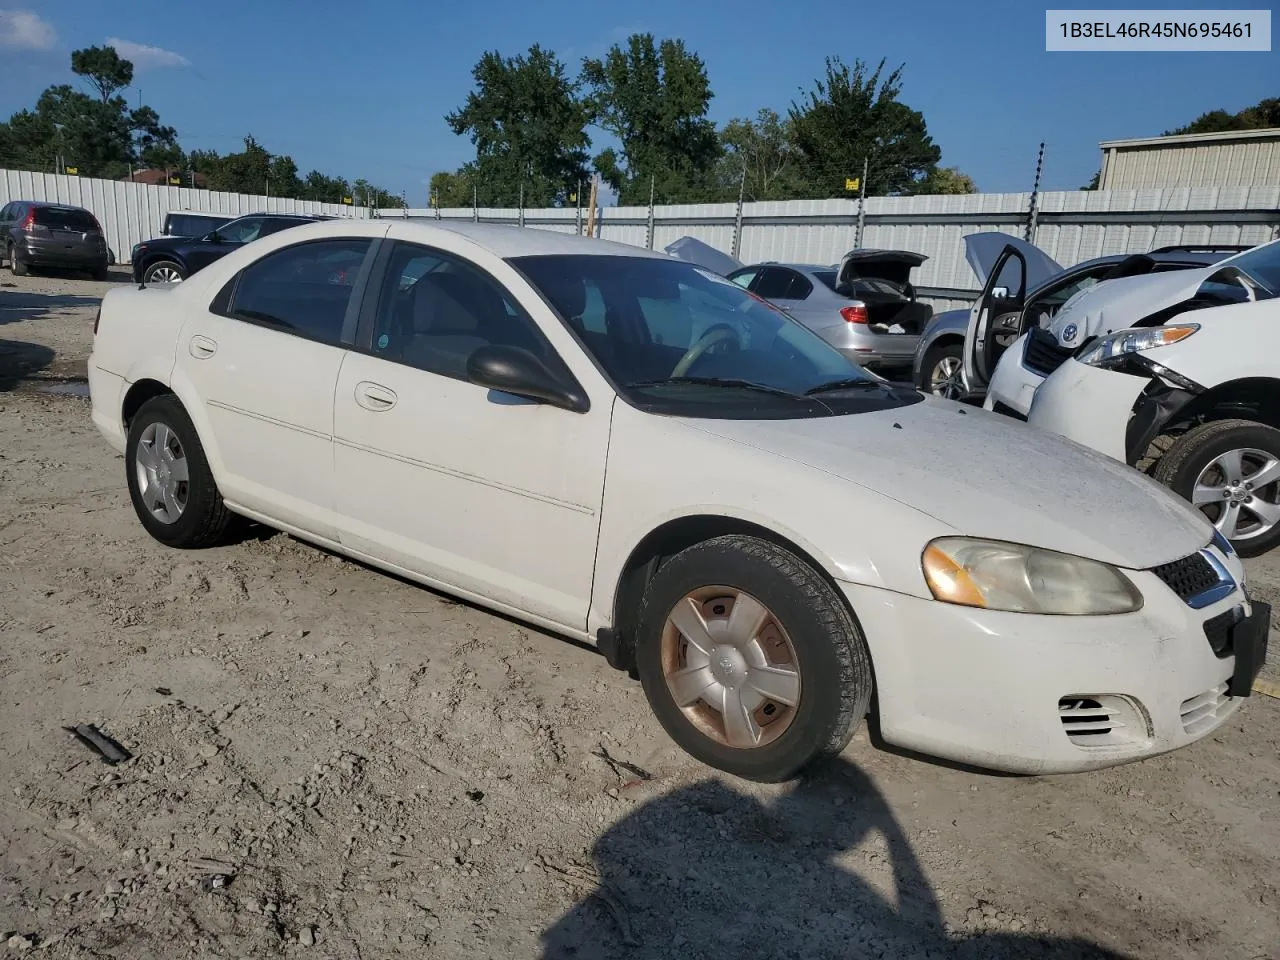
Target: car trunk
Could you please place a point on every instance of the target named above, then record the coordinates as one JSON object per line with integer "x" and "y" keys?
{"x": 66, "y": 232}
{"x": 882, "y": 280}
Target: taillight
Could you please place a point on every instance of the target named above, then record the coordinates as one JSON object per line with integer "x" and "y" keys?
{"x": 855, "y": 313}
{"x": 30, "y": 222}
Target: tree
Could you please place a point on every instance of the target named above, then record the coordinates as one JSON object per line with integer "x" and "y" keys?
{"x": 949, "y": 180}
{"x": 105, "y": 70}
{"x": 454, "y": 189}
{"x": 761, "y": 148}
{"x": 654, "y": 100}
{"x": 1262, "y": 115}
{"x": 528, "y": 125}
{"x": 853, "y": 115}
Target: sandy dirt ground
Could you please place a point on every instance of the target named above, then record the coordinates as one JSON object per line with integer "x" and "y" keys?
{"x": 331, "y": 762}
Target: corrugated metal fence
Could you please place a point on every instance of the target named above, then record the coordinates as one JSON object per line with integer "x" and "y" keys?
{"x": 133, "y": 212}
{"x": 1071, "y": 225}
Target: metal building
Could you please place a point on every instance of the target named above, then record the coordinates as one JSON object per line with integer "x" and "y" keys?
{"x": 1239, "y": 158}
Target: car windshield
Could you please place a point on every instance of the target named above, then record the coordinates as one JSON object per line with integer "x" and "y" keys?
{"x": 827, "y": 277}
{"x": 675, "y": 336}
{"x": 1261, "y": 264}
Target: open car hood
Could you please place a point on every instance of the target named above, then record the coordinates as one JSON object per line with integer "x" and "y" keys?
{"x": 892, "y": 265}
{"x": 983, "y": 249}
{"x": 692, "y": 250}
{"x": 1119, "y": 304}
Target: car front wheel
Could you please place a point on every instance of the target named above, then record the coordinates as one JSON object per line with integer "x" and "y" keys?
{"x": 750, "y": 660}
{"x": 1230, "y": 471}
{"x": 942, "y": 372}
{"x": 164, "y": 271}
{"x": 170, "y": 482}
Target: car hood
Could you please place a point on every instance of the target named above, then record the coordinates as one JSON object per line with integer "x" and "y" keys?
{"x": 692, "y": 250}
{"x": 983, "y": 249}
{"x": 985, "y": 475}
{"x": 1119, "y": 304}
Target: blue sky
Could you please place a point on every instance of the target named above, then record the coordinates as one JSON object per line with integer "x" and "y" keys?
{"x": 362, "y": 92}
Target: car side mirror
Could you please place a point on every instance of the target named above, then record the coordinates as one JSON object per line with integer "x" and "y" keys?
{"x": 518, "y": 372}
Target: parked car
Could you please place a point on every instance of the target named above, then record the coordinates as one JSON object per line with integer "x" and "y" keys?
{"x": 865, "y": 306}
{"x": 760, "y": 532}
{"x": 35, "y": 234}
{"x": 692, "y": 250}
{"x": 174, "y": 259}
{"x": 939, "y": 360}
{"x": 193, "y": 223}
{"x": 1191, "y": 359}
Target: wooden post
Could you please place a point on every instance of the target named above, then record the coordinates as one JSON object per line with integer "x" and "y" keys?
{"x": 591, "y": 207}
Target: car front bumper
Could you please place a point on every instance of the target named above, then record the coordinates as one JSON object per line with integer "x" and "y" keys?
{"x": 1013, "y": 386}
{"x": 1013, "y": 692}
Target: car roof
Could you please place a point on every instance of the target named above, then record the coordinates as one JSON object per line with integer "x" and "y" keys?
{"x": 511, "y": 241}
{"x": 52, "y": 205}
{"x": 802, "y": 267}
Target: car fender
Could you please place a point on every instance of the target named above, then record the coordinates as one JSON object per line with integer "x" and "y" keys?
{"x": 662, "y": 469}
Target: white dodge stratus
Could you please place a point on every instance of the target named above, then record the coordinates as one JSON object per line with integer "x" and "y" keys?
{"x": 627, "y": 449}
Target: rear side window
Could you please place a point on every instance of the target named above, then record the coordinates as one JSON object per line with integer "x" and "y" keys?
{"x": 191, "y": 225}
{"x": 304, "y": 289}
{"x": 66, "y": 218}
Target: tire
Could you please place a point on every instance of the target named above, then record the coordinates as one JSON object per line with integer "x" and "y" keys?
{"x": 149, "y": 275}
{"x": 101, "y": 274}
{"x": 1194, "y": 459}
{"x": 203, "y": 518}
{"x": 937, "y": 355}
{"x": 828, "y": 654}
{"x": 16, "y": 266}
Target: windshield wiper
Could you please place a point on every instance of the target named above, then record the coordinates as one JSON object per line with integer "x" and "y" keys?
{"x": 718, "y": 382}
{"x": 853, "y": 383}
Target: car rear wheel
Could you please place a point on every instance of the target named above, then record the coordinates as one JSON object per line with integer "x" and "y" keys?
{"x": 170, "y": 482}
{"x": 164, "y": 271}
{"x": 1230, "y": 471}
{"x": 16, "y": 266}
{"x": 100, "y": 274}
{"x": 750, "y": 660}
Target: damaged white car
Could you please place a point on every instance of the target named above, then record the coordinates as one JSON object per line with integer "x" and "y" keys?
{"x": 1179, "y": 374}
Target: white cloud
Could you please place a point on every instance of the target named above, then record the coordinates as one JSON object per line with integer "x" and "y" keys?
{"x": 24, "y": 30}
{"x": 145, "y": 57}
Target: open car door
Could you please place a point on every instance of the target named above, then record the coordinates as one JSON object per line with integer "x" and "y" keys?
{"x": 996, "y": 318}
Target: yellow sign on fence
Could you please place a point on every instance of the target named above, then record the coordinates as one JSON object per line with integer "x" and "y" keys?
{"x": 347, "y": 201}
{"x": 852, "y": 183}
{"x": 175, "y": 181}
{"x": 73, "y": 171}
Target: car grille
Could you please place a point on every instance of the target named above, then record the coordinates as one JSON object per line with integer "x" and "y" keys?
{"x": 1188, "y": 577}
{"x": 1042, "y": 353}
{"x": 1203, "y": 713}
{"x": 1101, "y": 720}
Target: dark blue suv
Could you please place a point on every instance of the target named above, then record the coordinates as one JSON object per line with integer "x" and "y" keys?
{"x": 173, "y": 259}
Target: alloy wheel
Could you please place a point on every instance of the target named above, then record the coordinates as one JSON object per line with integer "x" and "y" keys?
{"x": 1239, "y": 492}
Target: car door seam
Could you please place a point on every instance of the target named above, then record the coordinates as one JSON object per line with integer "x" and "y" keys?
{"x": 462, "y": 475}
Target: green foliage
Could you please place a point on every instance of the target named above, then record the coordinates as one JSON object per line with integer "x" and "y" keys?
{"x": 853, "y": 114}
{"x": 763, "y": 149}
{"x": 654, "y": 100}
{"x": 102, "y": 137}
{"x": 528, "y": 125}
{"x": 945, "y": 180}
{"x": 1262, "y": 115}
{"x": 105, "y": 70}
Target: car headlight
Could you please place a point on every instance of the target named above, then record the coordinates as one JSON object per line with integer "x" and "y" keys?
{"x": 1010, "y": 576}
{"x": 1115, "y": 347}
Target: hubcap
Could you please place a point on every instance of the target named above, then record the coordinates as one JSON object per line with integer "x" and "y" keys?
{"x": 161, "y": 466}
{"x": 166, "y": 275}
{"x": 730, "y": 667}
{"x": 946, "y": 378}
{"x": 1239, "y": 491}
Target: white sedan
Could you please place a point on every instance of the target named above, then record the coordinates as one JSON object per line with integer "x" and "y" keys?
{"x": 627, "y": 449}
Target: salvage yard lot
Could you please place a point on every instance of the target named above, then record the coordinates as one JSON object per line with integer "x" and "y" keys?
{"x": 391, "y": 773}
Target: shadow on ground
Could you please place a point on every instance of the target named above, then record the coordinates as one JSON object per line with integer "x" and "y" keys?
{"x": 21, "y": 361}
{"x": 19, "y": 305}
{"x": 707, "y": 872}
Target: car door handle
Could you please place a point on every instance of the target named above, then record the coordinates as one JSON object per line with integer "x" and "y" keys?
{"x": 202, "y": 348}
{"x": 374, "y": 397}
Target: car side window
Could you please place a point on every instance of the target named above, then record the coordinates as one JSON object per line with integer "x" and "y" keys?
{"x": 304, "y": 289}
{"x": 743, "y": 278}
{"x": 241, "y": 231}
{"x": 4, "y": 211}
{"x": 435, "y": 310}
{"x": 775, "y": 283}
